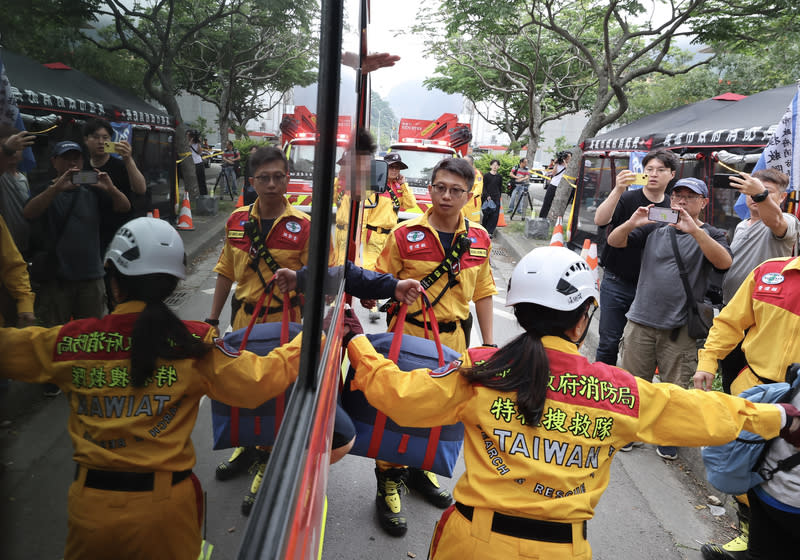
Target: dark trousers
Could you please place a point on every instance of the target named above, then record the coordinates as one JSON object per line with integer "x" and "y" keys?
{"x": 548, "y": 199}
{"x": 616, "y": 297}
{"x": 489, "y": 218}
{"x": 773, "y": 533}
{"x": 200, "y": 172}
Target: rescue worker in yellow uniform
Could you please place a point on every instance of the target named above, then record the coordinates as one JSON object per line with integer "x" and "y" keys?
{"x": 763, "y": 317}
{"x": 14, "y": 279}
{"x": 472, "y": 209}
{"x": 380, "y": 215}
{"x": 449, "y": 255}
{"x": 134, "y": 380}
{"x": 259, "y": 239}
{"x": 519, "y": 498}
{"x": 381, "y": 209}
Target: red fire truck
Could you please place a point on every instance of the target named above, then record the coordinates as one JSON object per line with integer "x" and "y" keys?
{"x": 422, "y": 144}
{"x": 298, "y": 137}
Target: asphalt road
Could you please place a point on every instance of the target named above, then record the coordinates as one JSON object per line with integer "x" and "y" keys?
{"x": 652, "y": 508}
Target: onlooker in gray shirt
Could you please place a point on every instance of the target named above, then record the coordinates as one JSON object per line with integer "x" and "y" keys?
{"x": 768, "y": 234}
{"x": 656, "y": 335}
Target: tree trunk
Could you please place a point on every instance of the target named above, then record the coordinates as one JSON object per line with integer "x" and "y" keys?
{"x": 561, "y": 200}
{"x": 188, "y": 177}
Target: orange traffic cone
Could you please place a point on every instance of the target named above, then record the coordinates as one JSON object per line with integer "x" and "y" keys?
{"x": 185, "y": 217}
{"x": 501, "y": 220}
{"x": 585, "y": 251}
{"x": 156, "y": 214}
{"x": 240, "y": 200}
{"x": 558, "y": 235}
{"x": 591, "y": 258}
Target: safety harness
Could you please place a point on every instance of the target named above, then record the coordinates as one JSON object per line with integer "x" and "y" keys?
{"x": 449, "y": 267}
{"x": 262, "y": 253}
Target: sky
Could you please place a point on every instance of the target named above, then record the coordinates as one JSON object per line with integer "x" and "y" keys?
{"x": 402, "y": 83}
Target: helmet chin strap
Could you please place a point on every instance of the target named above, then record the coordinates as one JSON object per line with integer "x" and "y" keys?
{"x": 583, "y": 335}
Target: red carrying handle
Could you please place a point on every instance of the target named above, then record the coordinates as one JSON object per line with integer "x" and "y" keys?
{"x": 394, "y": 354}
{"x": 280, "y": 400}
{"x": 427, "y": 312}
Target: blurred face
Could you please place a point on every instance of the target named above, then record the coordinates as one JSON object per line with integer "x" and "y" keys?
{"x": 67, "y": 161}
{"x": 96, "y": 141}
{"x": 495, "y": 166}
{"x": 448, "y": 193}
{"x": 524, "y": 163}
{"x": 689, "y": 200}
{"x": 270, "y": 181}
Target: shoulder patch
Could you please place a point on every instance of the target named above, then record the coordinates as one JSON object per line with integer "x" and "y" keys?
{"x": 446, "y": 369}
{"x": 478, "y": 252}
{"x": 225, "y": 349}
{"x": 415, "y": 236}
{"x": 293, "y": 226}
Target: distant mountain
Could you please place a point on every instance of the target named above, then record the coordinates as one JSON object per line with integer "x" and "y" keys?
{"x": 414, "y": 101}
{"x": 408, "y": 99}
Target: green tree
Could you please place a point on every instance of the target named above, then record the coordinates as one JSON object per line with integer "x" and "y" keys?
{"x": 523, "y": 75}
{"x": 382, "y": 120}
{"x": 772, "y": 65}
{"x": 57, "y": 36}
{"x": 45, "y": 30}
{"x": 244, "y": 63}
{"x": 618, "y": 41}
{"x": 157, "y": 33}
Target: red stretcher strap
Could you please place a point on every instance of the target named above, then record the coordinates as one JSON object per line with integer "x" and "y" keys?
{"x": 280, "y": 401}
{"x": 394, "y": 354}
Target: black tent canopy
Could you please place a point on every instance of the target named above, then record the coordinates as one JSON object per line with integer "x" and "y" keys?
{"x": 729, "y": 122}
{"x": 58, "y": 88}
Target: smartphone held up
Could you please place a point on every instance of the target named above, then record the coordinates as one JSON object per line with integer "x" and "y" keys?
{"x": 723, "y": 180}
{"x": 84, "y": 178}
{"x": 666, "y": 215}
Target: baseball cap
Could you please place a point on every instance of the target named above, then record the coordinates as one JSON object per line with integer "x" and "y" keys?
{"x": 694, "y": 185}
{"x": 66, "y": 146}
{"x": 394, "y": 158}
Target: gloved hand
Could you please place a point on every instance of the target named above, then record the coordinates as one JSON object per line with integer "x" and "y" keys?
{"x": 791, "y": 431}
{"x": 352, "y": 326}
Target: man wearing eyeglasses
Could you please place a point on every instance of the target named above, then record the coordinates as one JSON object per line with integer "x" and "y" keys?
{"x": 259, "y": 240}
{"x": 123, "y": 172}
{"x": 656, "y": 335}
{"x": 443, "y": 241}
{"x": 621, "y": 265}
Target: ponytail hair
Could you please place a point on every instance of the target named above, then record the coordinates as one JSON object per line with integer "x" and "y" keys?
{"x": 157, "y": 332}
{"x": 522, "y": 366}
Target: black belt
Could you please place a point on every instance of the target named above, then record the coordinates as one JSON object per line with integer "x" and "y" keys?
{"x": 250, "y": 307}
{"x": 524, "y": 528}
{"x": 444, "y": 327}
{"x": 118, "y": 481}
{"x": 379, "y": 229}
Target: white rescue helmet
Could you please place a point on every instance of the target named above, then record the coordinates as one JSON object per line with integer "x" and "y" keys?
{"x": 553, "y": 277}
{"x": 147, "y": 246}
